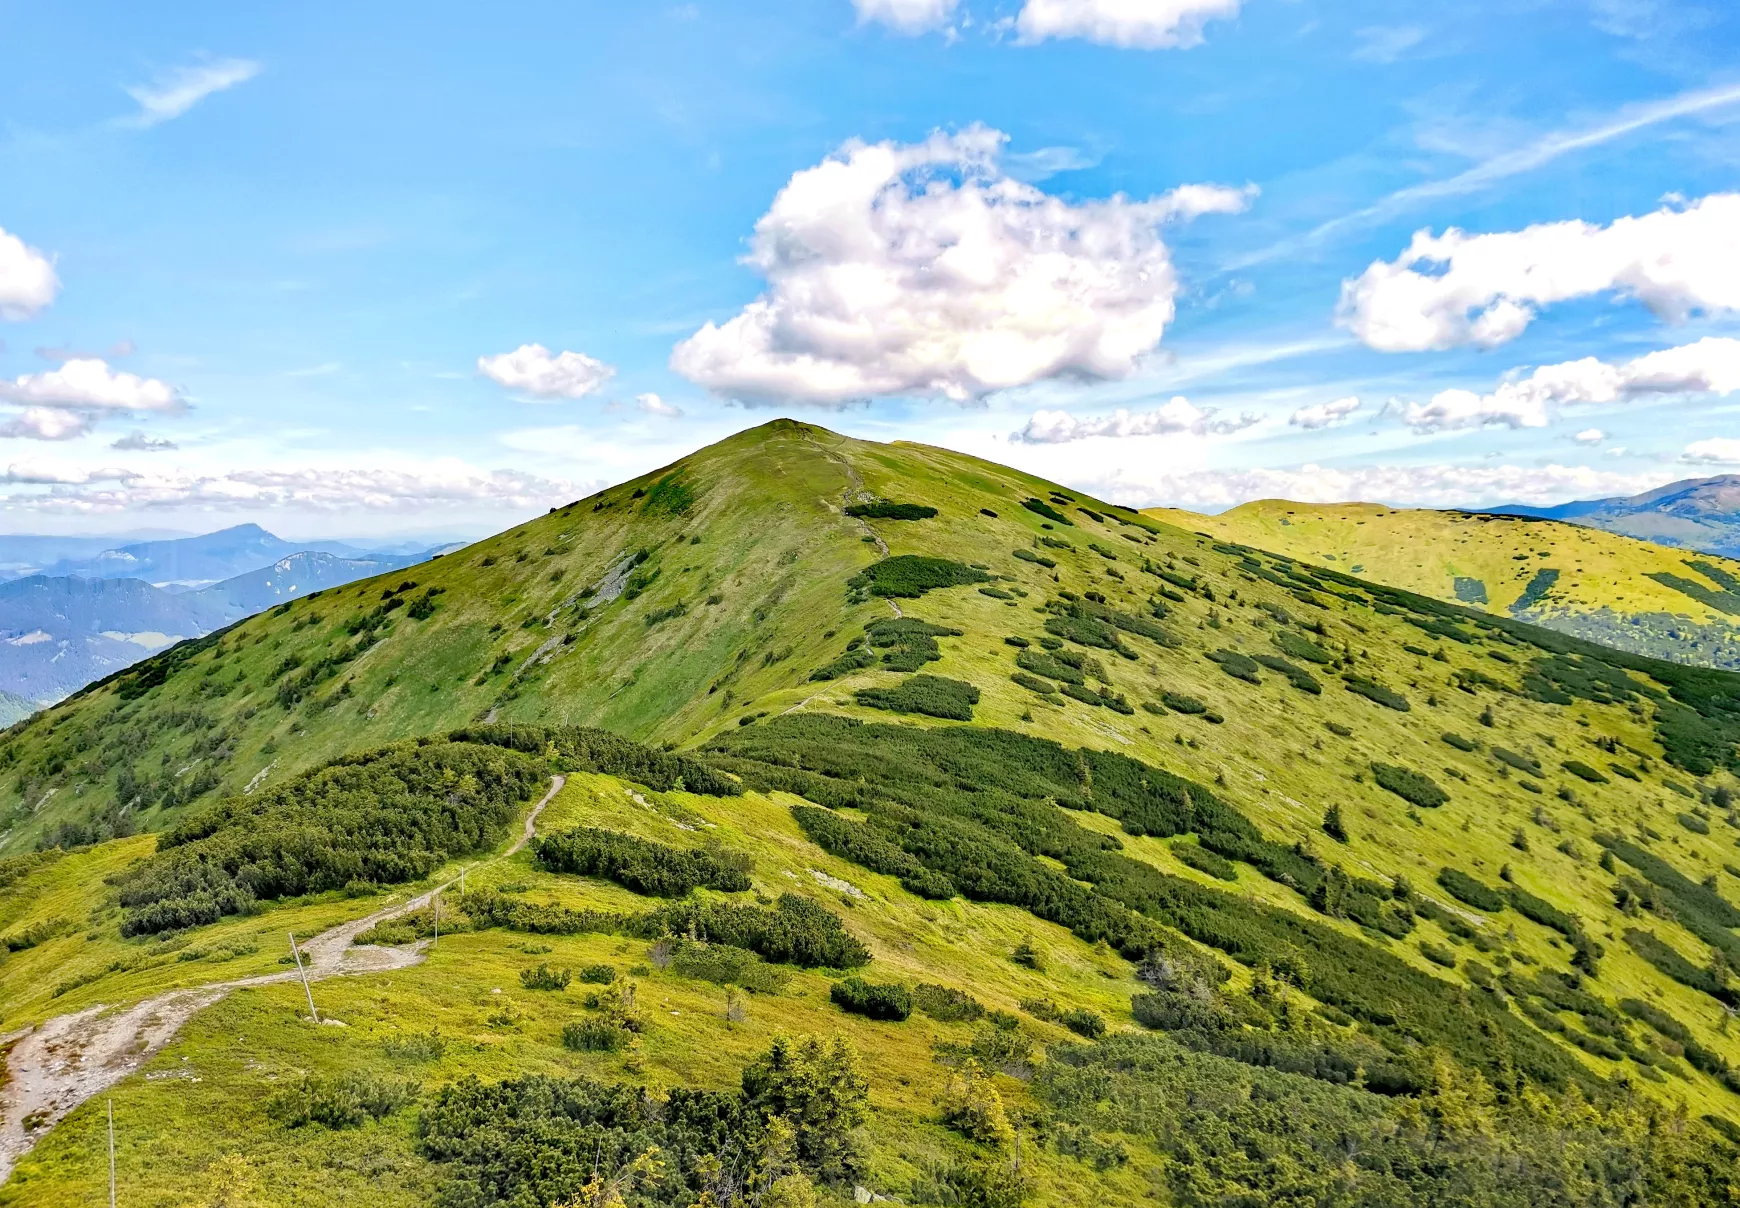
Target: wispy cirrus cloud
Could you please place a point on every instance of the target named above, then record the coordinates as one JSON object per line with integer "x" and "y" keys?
{"x": 1516, "y": 161}
{"x": 176, "y": 91}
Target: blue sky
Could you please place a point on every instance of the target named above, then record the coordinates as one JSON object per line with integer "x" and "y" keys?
{"x": 430, "y": 269}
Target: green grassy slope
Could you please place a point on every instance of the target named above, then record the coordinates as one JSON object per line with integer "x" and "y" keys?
{"x": 1614, "y": 589}
{"x": 1577, "y": 783}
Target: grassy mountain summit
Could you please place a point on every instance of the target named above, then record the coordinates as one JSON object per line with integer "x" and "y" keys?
{"x": 1609, "y": 588}
{"x": 1147, "y": 866}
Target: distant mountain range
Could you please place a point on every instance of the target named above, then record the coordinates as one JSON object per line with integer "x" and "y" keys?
{"x": 1695, "y": 513}
{"x": 87, "y": 616}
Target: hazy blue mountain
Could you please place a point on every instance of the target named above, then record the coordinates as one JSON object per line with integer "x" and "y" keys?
{"x": 190, "y": 562}
{"x": 60, "y": 632}
{"x": 292, "y": 576}
{"x": 1695, "y": 513}
{"x": 29, "y": 553}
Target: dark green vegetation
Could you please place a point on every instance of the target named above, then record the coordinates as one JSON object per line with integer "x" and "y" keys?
{"x": 911, "y": 575}
{"x": 886, "y": 509}
{"x": 874, "y": 1000}
{"x": 977, "y": 807}
{"x": 639, "y": 864}
{"x": 1410, "y": 785}
{"x": 543, "y": 1140}
{"x": 379, "y": 818}
{"x": 930, "y": 695}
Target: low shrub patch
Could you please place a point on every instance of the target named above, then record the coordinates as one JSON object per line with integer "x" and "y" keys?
{"x": 931, "y": 695}
{"x": 1410, "y": 785}
{"x": 875, "y": 1000}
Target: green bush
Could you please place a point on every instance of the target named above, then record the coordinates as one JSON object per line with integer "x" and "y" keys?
{"x": 908, "y": 642}
{"x": 1521, "y": 763}
{"x": 1410, "y": 785}
{"x": 1239, "y": 666}
{"x": 1459, "y": 742}
{"x": 726, "y": 965}
{"x": 946, "y": 1004}
{"x": 1465, "y": 888}
{"x": 908, "y": 576}
{"x": 1085, "y": 1023}
{"x": 1298, "y": 647}
{"x": 1179, "y": 703}
{"x": 1046, "y": 510}
{"x": 1693, "y": 823}
{"x": 1372, "y": 690}
{"x": 931, "y": 695}
{"x": 887, "y": 509}
{"x": 344, "y": 1101}
{"x": 1296, "y": 675}
{"x": 1034, "y": 684}
{"x": 1583, "y": 771}
{"x": 545, "y": 978}
{"x": 1203, "y": 860}
{"x": 1027, "y": 555}
{"x": 1050, "y": 666}
{"x": 595, "y": 1036}
{"x": 598, "y": 975}
{"x": 640, "y": 864}
{"x": 385, "y": 817}
{"x": 534, "y": 1140}
{"x": 875, "y": 1000}
{"x": 1437, "y": 955}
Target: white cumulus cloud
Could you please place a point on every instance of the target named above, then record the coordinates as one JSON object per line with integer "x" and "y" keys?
{"x": 89, "y": 384}
{"x": 27, "y": 280}
{"x": 906, "y": 16}
{"x": 652, "y": 404}
{"x": 1133, "y": 24}
{"x": 175, "y": 92}
{"x": 925, "y": 269}
{"x": 1324, "y": 415}
{"x": 1486, "y": 289}
{"x": 46, "y": 423}
{"x": 1590, "y": 436}
{"x": 532, "y": 369}
{"x": 1178, "y": 416}
{"x": 1717, "y": 450}
{"x": 1708, "y": 366}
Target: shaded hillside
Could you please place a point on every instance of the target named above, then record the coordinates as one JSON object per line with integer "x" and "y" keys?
{"x": 1695, "y": 513}
{"x": 1139, "y": 866}
{"x": 1615, "y": 590}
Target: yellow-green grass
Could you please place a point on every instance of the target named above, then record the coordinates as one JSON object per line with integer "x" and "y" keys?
{"x": 1427, "y": 551}
{"x": 201, "y": 1100}
{"x": 770, "y": 514}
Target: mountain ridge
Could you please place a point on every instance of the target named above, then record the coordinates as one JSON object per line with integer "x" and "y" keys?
{"x": 1188, "y": 813}
{"x": 1612, "y": 589}
{"x": 1693, "y": 513}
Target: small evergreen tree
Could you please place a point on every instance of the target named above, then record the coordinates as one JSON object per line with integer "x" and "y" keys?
{"x": 1333, "y": 825}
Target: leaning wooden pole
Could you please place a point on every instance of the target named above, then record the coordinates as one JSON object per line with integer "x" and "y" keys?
{"x": 306, "y": 988}
{"x": 111, "y": 1153}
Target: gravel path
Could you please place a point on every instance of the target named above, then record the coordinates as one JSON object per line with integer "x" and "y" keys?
{"x": 59, "y": 1064}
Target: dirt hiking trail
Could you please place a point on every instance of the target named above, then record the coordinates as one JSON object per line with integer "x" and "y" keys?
{"x": 64, "y": 1061}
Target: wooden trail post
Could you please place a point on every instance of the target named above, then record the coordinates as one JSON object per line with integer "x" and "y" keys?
{"x": 437, "y": 940}
{"x": 306, "y": 989}
{"x": 111, "y": 1153}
